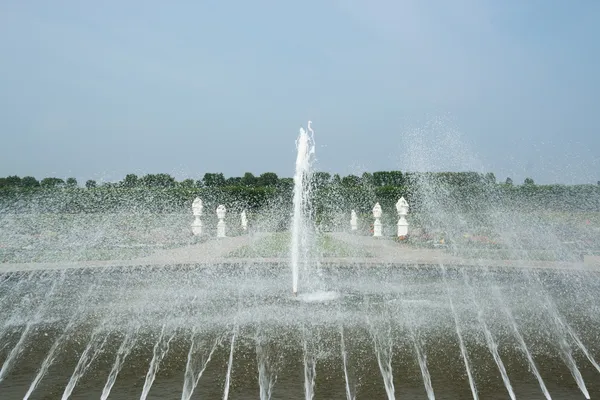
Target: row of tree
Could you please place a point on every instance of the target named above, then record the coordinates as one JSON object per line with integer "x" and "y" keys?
{"x": 267, "y": 179}
{"x": 427, "y": 192}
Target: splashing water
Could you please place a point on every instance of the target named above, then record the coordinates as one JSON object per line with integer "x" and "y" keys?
{"x": 161, "y": 348}
{"x": 229, "y": 366}
{"x": 197, "y": 361}
{"x": 122, "y": 353}
{"x": 300, "y": 235}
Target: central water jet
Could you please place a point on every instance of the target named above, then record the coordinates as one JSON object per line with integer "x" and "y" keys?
{"x": 305, "y": 145}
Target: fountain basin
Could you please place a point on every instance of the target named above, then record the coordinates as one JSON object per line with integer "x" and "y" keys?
{"x": 384, "y": 311}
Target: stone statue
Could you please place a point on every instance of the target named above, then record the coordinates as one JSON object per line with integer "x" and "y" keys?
{"x": 353, "y": 221}
{"x": 221, "y": 210}
{"x": 377, "y": 228}
{"x": 402, "y": 209}
{"x": 244, "y": 221}
{"x": 197, "y": 212}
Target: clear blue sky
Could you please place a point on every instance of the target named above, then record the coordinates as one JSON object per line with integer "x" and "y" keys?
{"x": 98, "y": 89}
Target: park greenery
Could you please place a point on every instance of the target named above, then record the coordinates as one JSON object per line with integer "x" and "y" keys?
{"x": 470, "y": 214}
{"x": 464, "y": 191}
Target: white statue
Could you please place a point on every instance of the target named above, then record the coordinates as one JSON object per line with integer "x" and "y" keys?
{"x": 197, "y": 211}
{"x": 221, "y": 210}
{"x": 244, "y": 221}
{"x": 377, "y": 228}
{"x": 353, "y": 221}
{"x": 402, "y": 209}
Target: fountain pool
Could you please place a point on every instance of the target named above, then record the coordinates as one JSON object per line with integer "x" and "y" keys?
{"x": 380, "y": 332}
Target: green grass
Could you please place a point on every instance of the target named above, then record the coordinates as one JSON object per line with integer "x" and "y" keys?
{"x": 277, "y": 245}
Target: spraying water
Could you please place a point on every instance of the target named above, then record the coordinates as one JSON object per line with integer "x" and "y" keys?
{"x": 306, "y": 148}
{"x": 161, "y": 348}
{"x": 196, "y": 365}
{"x": 229, "y": 367}
{"x": 122, "y": 353}
{"x": 422, "y": 358}
{"x": 491, "y": 342}
{"x": 91, "y": 352}
{"x": 266, "y": 373}
{"x": 345, "y": 364}
{"x": 384, "y": 352}
{"x": 463, "y": 348}
{"x": 523, "y": 345}
{"x": 310, "y": 370}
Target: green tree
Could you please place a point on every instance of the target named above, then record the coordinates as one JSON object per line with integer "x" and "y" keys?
{"x": 213, "y": 179}
{"x": 367, "y": 179}
{"x": 187, "y": 183}
{"x": 13, "y": 181}
{"x": 388, "y": 178}
{"x": 321, "y": 179}
{"x": 336, "y": 180}
{"x": 71, "y": 182}
{"x": 233, "y": 181}
{"x": 52, "y": 183}
{"x": 90, "y": 184}
{"x": 509, "y": 181}
{"x": 130, "y": 181}
{"x": 268, "y": 179}
{"x": 351, "y": 181}
{"x": 29, "y": 182}
{"x": 158, "y": 181}
{"x": 490, "y": 178}
{"x": 248, "y": 179}
{"x": 528, "y": 182}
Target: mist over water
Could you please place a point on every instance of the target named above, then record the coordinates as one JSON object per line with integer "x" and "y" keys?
{"x": 231, "y": 330}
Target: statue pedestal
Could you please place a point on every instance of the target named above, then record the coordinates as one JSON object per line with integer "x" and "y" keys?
{"x": 197, "y": 226}
{"x": 402, "y": 227}
{"x": 377, "y": 228}
{"x": 353, "y": 221}
{"x": 402, "y": 209}
{"x": 221, "y": 224}
{"x": 197, "y": 211}
{"x": 221, "y": 229}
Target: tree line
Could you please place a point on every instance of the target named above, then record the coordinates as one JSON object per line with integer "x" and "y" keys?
{"x": 461, "y": 191}
{"x": 267, "y": 179}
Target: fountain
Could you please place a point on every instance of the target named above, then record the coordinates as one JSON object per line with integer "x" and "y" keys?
{"x": 230, "y": 329}
{"x": 300, "y": 222}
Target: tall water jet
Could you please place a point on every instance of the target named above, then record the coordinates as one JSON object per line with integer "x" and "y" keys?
{"x": 305, "y": 145}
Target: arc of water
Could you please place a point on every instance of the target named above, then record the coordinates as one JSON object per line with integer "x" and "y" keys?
{"x": 422, "y": 359}
{"x": 310, "y": 372}
{"x": 384, "y": 359}
{"x": 16, "y": 352}
{"x": 229, "y": 365}
{"x": 161, "y": 348}
{"x": 51, "y": 356}
{"x": 122, "y": 353}
{"x": 522, "y": 344}
{"x": 491, "y": 342}
{"x": 349, "y": 395}
{"x": 267, "y": 374}
{"x": 566, "y": 352}
{"x": 564, "y": 325}
{"x": 91, "y": 352}
{"x": 192, "y": 372}
{"x": 463, "y": 348}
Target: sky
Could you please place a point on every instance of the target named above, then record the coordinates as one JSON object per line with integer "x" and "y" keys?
{"x": 96, "y": 90}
